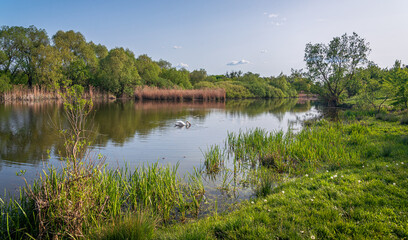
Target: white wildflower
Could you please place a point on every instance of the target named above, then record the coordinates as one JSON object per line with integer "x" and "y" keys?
{"x": 283, "y": 191}
{"x": 312, "y": 237}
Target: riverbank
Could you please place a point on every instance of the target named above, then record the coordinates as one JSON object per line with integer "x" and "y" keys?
{"x": 20, "y": 93}
{"x": 363, "y": 198}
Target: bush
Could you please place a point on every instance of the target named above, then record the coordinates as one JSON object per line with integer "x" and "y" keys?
{"x": 388, "y": 117}
{"x": 234, "y": 90}
{"x": 404, "y": 120}
{"x": 4, "y": 83}
{"x": 204, "y": 85}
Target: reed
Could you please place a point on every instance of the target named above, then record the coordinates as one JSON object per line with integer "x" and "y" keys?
{"x": 213, "y": 159}
{"x": 61, "y": 204}
{"x": 20, "y": 93}
{"x": 150, "y": 93}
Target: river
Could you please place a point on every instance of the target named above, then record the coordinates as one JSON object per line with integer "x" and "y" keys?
{"x": 135, "y": 133}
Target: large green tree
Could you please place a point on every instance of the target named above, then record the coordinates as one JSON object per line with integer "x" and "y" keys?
{"x": 179, "y": 77}
{"x": 197, "y": 76}
{"x": 79, "y": 59}
{"x": 118, "y": 73}
{"x": 18, "y": 48}
{"x": 334, "y": 65}
{"x": 148, "y": 70}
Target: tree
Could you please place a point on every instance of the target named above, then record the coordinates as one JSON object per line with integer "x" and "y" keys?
{"x": 374, "y": 92}
{"x": 18, "y": 48}
{"x": 148, "y": 70}
{"x": 118, "y": 73}
{"x": 48, "y": 62}
{"x": 77, "y": 54}
{"x": 164, "y": 64}
{"x": 397, "y": 79}
{"x": 179, "y": 77}
{"x": 197, "y": 76}
{"x": 334, "y": 65}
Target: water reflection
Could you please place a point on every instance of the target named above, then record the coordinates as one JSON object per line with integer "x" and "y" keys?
{"x": 28, "y": 131}
{"x": 136, "y": 132}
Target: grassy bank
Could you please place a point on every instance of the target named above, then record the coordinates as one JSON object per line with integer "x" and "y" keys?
{"x": 362, "y": 192}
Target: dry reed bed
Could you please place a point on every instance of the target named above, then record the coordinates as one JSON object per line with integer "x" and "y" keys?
{"x": 158, "y": 105}
{"x": 25, "y": 94}
{"x": 179, "y": 94}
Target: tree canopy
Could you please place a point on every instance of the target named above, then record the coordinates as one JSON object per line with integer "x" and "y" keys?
{"x": 335, "y": 64}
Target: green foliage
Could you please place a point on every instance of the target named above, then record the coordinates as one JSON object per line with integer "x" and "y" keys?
{"x": 18, "y": 47}
{"x": 335, "y": 64}
{"x": 180, "y": 77}
{"x": 48, "y": 62}
{"x": 148, "y": 70}
{"x": 197, "y": 76}
{"x": 163, "y": 64}
{"x": 204, "y": 85}
{"x": 4, "y": 83}
{"x": 404, "y": 119}
{"x": 118, "y": 73}
{"x": 233, "y": 90}
{"x": 373, "y": 93}
{"x": 397, "y": 79}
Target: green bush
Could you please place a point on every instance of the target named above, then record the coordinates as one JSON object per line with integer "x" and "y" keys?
{"x": 234, "y": 90}
{"x": 204, "y": 85}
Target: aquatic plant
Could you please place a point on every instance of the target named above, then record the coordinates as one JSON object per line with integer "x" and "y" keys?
{"x": 213, "y": 159}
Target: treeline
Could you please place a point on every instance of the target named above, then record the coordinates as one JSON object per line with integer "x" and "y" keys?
{"x": 29, "y": 57}
{"x": 337, "y": 71}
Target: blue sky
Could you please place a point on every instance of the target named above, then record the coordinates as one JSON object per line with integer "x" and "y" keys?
{"x": 266, "y": 37}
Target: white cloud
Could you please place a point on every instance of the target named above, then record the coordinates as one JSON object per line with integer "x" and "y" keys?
{"x": 275, "y": 19}
{"x": 233, "y": 63}
{"x": 264, "y": 51}
{"x": 182, "y": 65}
{"x": 176, "y": 47}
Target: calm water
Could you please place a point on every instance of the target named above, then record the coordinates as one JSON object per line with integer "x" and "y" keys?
{"x": 135, "y": 132}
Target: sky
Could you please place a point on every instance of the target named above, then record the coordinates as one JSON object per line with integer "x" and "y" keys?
{"x": 261, "y": 36}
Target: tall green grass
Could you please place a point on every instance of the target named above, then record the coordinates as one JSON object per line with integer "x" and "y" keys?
{"x": 60, "y": 204}
{"x": 293, "y": 153}
{"x": 213, "y": 159}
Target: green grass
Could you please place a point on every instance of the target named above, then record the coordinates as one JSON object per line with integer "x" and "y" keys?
{"x": 359, "y": 191}
{"x": 69, "y": 205}
{"x": 213, "y": 159}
